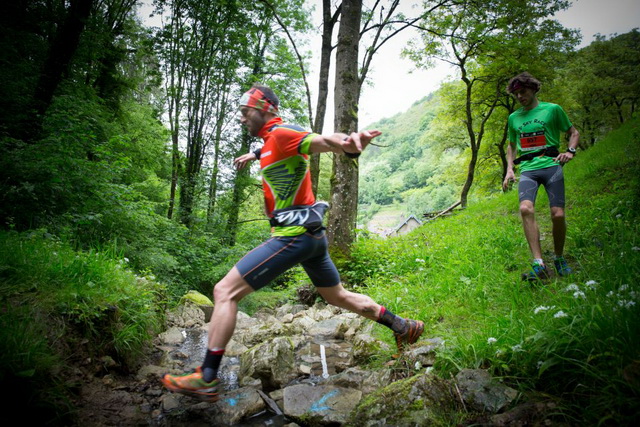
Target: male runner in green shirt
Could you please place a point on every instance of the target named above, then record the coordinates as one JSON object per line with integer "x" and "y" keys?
{"x": 534, "y": 134}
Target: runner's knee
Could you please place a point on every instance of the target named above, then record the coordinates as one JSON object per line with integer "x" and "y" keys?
{"x": 527, "y": 208}
{"x": 557, "y": 214}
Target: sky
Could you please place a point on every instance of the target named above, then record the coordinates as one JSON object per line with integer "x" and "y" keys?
{"x": 395, "y": 83}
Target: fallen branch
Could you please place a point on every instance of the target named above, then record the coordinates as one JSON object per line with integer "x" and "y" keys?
{"x": 444, "y": 212}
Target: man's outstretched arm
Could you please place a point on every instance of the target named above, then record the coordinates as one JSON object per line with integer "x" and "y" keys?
{"x": 341, "y": 143}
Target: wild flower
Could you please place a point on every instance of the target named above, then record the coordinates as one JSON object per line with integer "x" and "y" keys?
{"x": 623, "y": 288}
{"x": 543, "y": 308}
{"x": 572, "y": 288}
{"x": 491, "y": 340}
{"x": 635, "y": 248}
{"x": 626, "y": 303}
{"x": 592, "y": 284}
{"x": 539, "y": 364}
{"x": 579, "y": 294}
{"x": 619, "y": 216}
{"x": 516, "y": 348}
{"x": 560, "y": 314}
{"x": 420, "y": 260}
{"x": 610, "y": 294}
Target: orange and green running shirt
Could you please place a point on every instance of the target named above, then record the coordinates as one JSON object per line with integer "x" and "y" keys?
{"x": 284, "y": 164}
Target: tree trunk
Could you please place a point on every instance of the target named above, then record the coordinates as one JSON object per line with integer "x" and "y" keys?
{"x": 328, "y": 23}
{"x": 57, "y": 63}
{"x": 175, "y": 167}
{"x": 344, "y": 180}
{"x": 241, "y": 181}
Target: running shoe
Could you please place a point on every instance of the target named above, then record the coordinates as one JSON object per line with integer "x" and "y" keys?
{"x": 561, "y": 267}
{"x": 192, "y": 385}
{"x": 411, "y": 335}
{"x": 538, "y": 272}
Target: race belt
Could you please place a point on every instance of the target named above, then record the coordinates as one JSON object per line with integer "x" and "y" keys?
{"x": 309, "y": 217}
{"x": 547, "y": 152}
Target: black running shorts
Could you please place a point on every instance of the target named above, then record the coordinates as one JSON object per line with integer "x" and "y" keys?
{"x": 551, "y": 178}
{"x": 278, "y": 254}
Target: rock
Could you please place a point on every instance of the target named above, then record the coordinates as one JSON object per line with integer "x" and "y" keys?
{"x": 172, "y": 336}
{"x": 425, "y": 354}
{"x": 527, "y": 414}
{"x": 365, "y": 381}
{"x": 203, "y": 302}
{"x": 186, "y": 315}
{"x": 364, "y": 346}
{"x": 287, "y": 318}
{"x": 334, "y": 327}
{"x": 239, "y": 404}
{"x": 481, "y": 393}
{"x": 235, "y": 348}
{"x": 320, "y": 405}
{"x": 170, "y": 402}
{"x": 416, "y": 401}
{"x": 151, "y": 372}
{"x": 271, "y": 362}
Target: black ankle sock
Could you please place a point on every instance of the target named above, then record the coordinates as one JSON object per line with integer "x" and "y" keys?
{"x": 395, "y": 323}
{"x": 211, "y": 364}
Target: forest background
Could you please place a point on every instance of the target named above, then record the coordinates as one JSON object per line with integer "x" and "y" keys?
{"x": 117, "y": 139}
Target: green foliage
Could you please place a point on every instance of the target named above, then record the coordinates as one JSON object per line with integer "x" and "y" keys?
{"x": 574, "y": 338}
{"x": 60, "y": 306}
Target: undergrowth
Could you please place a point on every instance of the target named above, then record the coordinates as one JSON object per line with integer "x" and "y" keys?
{"x": 58, "y": 305}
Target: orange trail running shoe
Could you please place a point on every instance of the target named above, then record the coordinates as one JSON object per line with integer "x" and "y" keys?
{"x": 411, "y": 335}
{"x": 192, "y": 385}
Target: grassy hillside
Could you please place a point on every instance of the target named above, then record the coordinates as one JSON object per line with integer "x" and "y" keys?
{"x": 574, "y": 340}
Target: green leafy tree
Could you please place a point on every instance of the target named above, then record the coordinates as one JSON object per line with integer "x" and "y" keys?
{"x": 484, "y": 40}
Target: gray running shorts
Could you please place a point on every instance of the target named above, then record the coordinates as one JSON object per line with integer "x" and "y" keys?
{"x": 551, "y": 178}
{"x": 278, "y": 254}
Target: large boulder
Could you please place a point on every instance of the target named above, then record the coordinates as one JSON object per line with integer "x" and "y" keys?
{"x": 482, "y": 393}
{"x": 202, "y": 301}
{"x": 416, "y": 401}
{"x": 320, "y": 405}
{"x": 186, "y": 315}
{"x": 273, "y": 363}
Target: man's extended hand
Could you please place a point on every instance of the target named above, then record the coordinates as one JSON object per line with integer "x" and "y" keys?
{"x": 244, "y": 160}
{"x": 508, "y": 178}
{"x": 358, "y": 141}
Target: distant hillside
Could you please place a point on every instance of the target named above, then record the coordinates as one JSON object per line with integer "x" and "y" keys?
{"x": 406, "y": 172}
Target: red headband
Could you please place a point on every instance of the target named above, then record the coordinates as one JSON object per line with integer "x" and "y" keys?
{"x": 254, "y": 98}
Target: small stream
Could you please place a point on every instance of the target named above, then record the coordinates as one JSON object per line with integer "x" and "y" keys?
{"x": 313, "y": 367}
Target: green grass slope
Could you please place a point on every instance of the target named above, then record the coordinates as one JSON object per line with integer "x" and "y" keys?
{"x": 572, "y": 339}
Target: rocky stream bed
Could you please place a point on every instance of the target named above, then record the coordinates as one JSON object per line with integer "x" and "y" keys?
{"x": 298, "y": 365}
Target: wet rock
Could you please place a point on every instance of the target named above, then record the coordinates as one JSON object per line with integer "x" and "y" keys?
{"x": 172, "y": 336}
{"x": 271, "y": 362}
{"x": 320, "y": 405}
{"x": 482, "y": 393}
{"x": 527, "y": 414}
{"x": 239, "y": 404}
{"x": 416, "y": 401}
{"x": 151, "y": 372}
{"x": 170, "y": 402}
{"x": 235, "y": 348}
